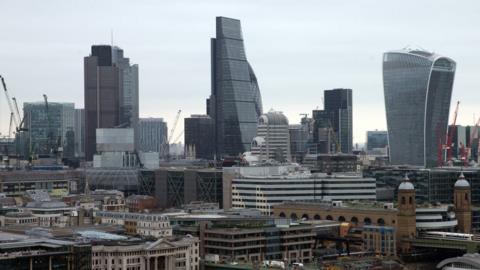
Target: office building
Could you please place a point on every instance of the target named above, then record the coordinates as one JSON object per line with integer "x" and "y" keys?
{"x": 235, "y": 103}
{"x": 153, "y": 136}
{"x": 111, "y": 93}
{"x": 79, "y": 132}
{"x": 263, "y": 187}
{"x": 418, "y": 87}
{"x": 298, "y": 142}
{"x": 199, "y": 137}
{"x": 115, "y": 148}
{"x": 272, "y": 141}
{"x": 47, "y": 126}
{"x": 175, "y": 187}
{"x": 338, "y": 104}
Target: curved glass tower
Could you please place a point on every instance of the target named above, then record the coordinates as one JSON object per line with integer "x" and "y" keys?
{"x": 418, "y": 87}
{"x": 235, "y": 103}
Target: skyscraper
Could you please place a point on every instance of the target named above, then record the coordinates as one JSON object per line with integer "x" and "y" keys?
{"x": 273, "y": 138}
{"x": 418, "y": 87}
{"x": 111, "y": 93}
{"x": 199, "y": 137}
{"x": 79, "y": 132}
{"x": 235, "y": 102}
{"x": 338, "y": 104}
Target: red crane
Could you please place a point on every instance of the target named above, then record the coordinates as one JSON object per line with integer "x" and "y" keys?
{"x": 451, "y": 131}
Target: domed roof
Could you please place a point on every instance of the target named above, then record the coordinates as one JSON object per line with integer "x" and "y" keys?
{"x": 273, "y": 118}
{"x": 406, "y": 184}
{"x": 461, "y": 182}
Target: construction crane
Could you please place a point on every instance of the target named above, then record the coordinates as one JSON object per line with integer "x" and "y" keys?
{"x": 10, "y": 126}
{"x": 451, "y": 131}
{"x": 10, "y": 106}
{"x": 178, "y": 137}
{"x": 172, "y": 131}
{"x": 22, "y": 120}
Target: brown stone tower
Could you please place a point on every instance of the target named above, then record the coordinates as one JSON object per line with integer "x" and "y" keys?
{"x": 462, "y": 201}
{"x": 406, "y": 227}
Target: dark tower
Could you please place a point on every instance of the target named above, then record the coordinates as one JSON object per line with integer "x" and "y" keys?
{"x": 462, "y": 201}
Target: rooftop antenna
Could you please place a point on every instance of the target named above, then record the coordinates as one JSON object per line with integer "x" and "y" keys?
{"x": 111, "y": 37}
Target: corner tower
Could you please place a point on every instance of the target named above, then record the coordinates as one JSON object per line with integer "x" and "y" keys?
{"x": 462, "y": 201}
{"x": 406, "y": 227}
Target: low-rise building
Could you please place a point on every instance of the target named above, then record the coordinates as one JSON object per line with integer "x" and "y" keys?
{"x": 179, "y": 254}
{"x": 140, "y": 203}
{"x": 145, "y": 224}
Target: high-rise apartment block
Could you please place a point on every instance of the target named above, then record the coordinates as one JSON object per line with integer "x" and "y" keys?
{"x": 418, "y": 87}
{"x": 111, "y": 93}
{"x": 199, "y": 137}
{"x": 153, "y": 134}
{"x": 235, "y": 103}
{"x": 47, "y": 126}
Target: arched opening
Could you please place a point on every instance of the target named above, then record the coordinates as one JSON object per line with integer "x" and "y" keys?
{"x": 282, "y": 215}
{"x": 293, "y": 216}
{"x": 410, "y": 200}
{"x": 341, "y": 218}
{"x": 367, "y": 221}
{"x": 381, "y": 222}
{"x": 329, "y": 217}
{"x": 403, "y": 200}
{"x": 305, "y": 217}
{"x": 354, "y": 220}
{"x": 316, "y": 217}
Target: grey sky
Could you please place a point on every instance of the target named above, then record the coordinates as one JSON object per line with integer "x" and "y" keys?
{"x": 297, "y": 49}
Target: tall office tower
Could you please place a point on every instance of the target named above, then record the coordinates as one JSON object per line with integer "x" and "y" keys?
{"x": 273, "y": 138}
{"x": 235, "y": 102}
{"x": 129, "y": 95}
{"x": 417, "y": 87}
{"x": 338, "y": 103}
{"x": 298, "y": 142}
{"x": 47, "y": 126}
{"x": 199, "y": 137}
{"x": 111, "y": 93}
{"x": 153, "y": 133}
{"x": 324, "y": 141}
{"x": 79, "y": 132}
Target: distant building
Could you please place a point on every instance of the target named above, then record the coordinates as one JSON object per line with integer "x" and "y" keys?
{"x": 298, "y": 142}
{"x": 111, "y": 93}
{"x": 199, "y": 137}
{"x": 140, "y": 203}
{"x": 272, "y": 141}
{"x": 144, "y": 224}
{"x": 175, "y": 187}
{"x": 235, "y": 103}
{"x": 418, "y": 88}
{"x": 79, "y": 131}
{"x": 328, "y": 163}
{"x": 115, "y": 148}
{"x": 153, "y": 136}
{"x": 264, "y": 187}
{"x": 377, "y": 141}
{"x": 338, "y": 103}
{"x": 47, "y": 127}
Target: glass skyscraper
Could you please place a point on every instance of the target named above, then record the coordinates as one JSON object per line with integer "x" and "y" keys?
{"x": 235, "y": 103}
{"x": 418, "y": 87}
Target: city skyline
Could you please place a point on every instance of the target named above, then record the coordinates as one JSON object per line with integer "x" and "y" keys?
{"x": 343, "y": 53}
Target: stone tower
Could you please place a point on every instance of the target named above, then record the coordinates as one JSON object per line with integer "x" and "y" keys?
{"x": 406, "y": 226}
{"x": 462, "y": 201}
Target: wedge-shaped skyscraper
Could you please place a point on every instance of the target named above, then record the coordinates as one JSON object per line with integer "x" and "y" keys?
{"x": 235, "y": 103}
{"x": 418, "y": 87}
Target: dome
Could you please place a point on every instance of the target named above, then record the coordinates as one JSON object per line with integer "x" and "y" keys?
{"x": 273, "y": 118}
{"x": 406, "y": 184}
{"x": 461, "y": 182}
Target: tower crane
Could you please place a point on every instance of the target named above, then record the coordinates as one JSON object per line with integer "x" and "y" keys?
{"x": 10, "y": 126}
{"x": 172, "y": 131}
{"x": 22, "y": 120}
{"x": 450, "y": 133}
{"x": 178, "y": 137}
{"x": 10, "y": 106}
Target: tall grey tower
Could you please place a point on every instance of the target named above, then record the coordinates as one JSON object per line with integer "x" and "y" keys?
{"x": 418, "y": 87}
{"x": 111, "y": 93}
{"x": 235, "y": 103}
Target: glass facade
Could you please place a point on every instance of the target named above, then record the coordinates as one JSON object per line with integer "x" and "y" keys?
{"x": 417, "y": 88}
{"x": 235, "y": 103}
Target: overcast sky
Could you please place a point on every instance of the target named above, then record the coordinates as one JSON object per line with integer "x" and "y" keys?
{"x": 297, "y": 49}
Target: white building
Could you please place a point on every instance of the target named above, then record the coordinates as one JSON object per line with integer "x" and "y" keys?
{"x": 264, "y": 187}
{"x": 182, "y": 254}
{"x": 145, "y": 224}
{"x": 273, "y": 137}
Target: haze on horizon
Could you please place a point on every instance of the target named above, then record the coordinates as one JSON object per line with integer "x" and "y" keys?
{"x": 297, "y": 49}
